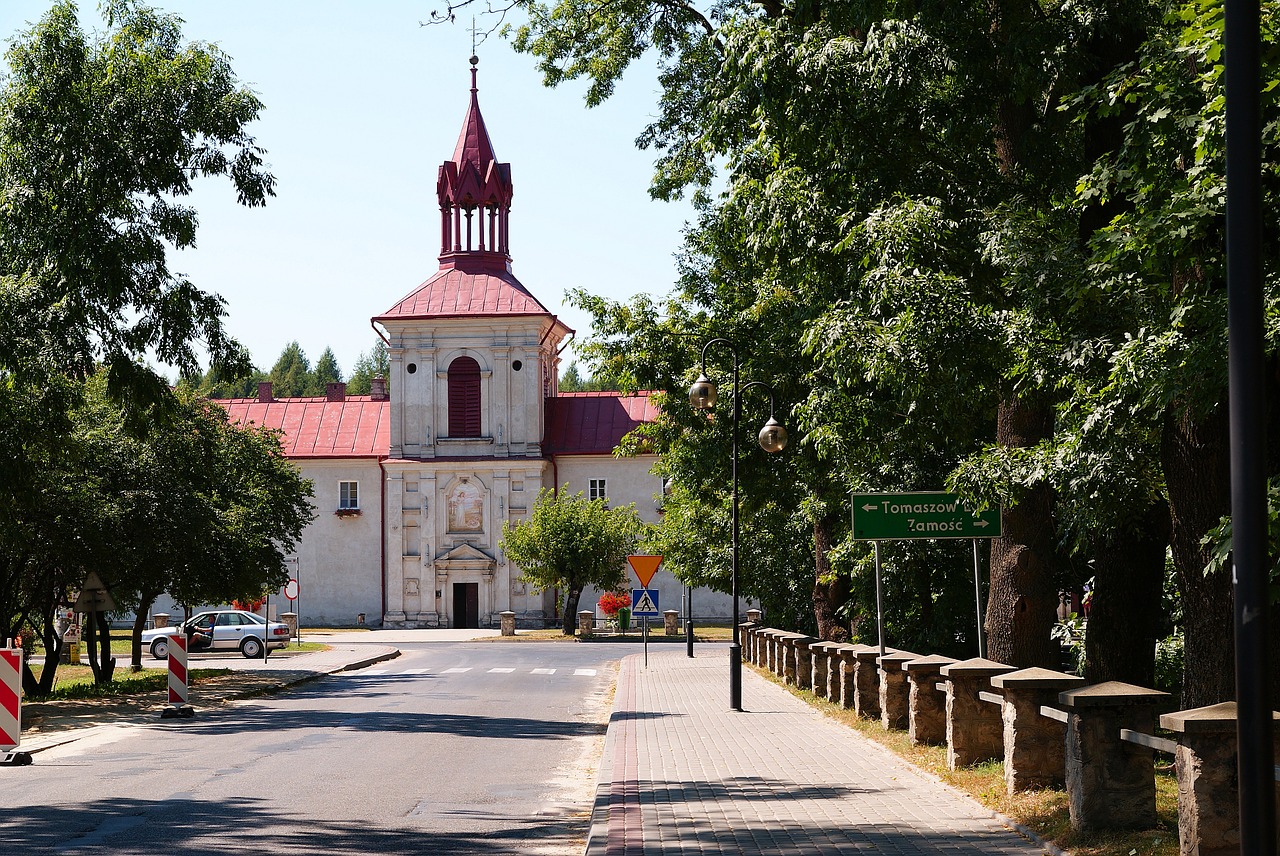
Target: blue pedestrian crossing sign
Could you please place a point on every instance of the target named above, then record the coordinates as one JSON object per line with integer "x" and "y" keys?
{"x": 644, "y": 603}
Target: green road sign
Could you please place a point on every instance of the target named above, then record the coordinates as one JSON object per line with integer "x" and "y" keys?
{"x": 897, "y": 516}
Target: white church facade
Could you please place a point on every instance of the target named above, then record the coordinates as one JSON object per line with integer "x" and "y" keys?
{"x": 414, "y": 482}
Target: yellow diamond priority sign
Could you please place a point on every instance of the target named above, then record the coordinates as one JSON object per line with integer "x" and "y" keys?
{"x": 644, "y": 567}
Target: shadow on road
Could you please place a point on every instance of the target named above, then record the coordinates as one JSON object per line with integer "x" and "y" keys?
{"x": 123, "y": 827}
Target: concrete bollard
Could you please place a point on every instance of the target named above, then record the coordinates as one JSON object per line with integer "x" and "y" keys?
{"x": 1033, "y": 744}
{"x": 586, "y": 623}
{"x": 1111, "y": 784}
{"x": 1208, "y": 790}
{"x": 928, "y": 705}
{"x": 508, "y": 619}
{"x": 753, "y": 615}
{"x": 975, "y": 728}
{"x": 866, "y": 681}
{"x": 671, "y": 622}
{"x": 895, "y": 692}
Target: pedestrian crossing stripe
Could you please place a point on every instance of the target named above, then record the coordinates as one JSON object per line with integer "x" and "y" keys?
{"x": 415, "y": 671}
{"x": 543, "y": 672}
{"x": 590, "y": 673}
{"x": 376, "y": 671}
{"x": 457, "y": 671}
{"x": 501, "y": 671}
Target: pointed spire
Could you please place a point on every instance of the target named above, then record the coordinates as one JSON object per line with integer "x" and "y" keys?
{"x": 472, "y": 187}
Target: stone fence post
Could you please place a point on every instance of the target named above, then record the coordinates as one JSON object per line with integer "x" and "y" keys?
{"x": 1111, "y": 783}
{"x": 804, "y": 661}
{"x": 928, "y": 705}
{"x": 1208, "y": 786}
{"x": 840, "y": 676}
{"x": 753, "y": 615}
{"x": 895, "y": 692}
{"x": 291, "y": 621}
{"x": 586, "y": 623}
{"x": 508, "y": 623}
{"x": 975, "y": 727}
{"x": 671, "y": 622}
{"x": 866, "y": 681}
{"x": 820, "y": 656}
{"x": 1034, "y": 755}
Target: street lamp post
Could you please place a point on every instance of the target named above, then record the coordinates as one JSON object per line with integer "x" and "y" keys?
{"x": 773, "y": 438}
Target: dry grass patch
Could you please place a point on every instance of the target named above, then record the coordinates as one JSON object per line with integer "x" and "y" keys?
{"x": 1044, "y": 812}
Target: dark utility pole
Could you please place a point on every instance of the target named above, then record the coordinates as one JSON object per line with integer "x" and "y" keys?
{"x": 1247, "y": 411}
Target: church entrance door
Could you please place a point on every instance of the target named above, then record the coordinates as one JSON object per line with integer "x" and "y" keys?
{"x": 466, "y": 605}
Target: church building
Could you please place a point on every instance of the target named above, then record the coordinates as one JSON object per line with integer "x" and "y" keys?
{"x": 414, "y": 481}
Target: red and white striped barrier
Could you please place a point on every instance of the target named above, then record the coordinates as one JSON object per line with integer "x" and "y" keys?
{"x": 10, "y": 698}
{"x": 177, "y": 669}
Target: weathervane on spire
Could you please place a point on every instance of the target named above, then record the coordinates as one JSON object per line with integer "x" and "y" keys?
{"x": 475, "y": 60}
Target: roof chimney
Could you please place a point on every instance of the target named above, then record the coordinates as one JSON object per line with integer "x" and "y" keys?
{"x": 264, "y": 391}
{"x": 378, "y": 389}
{"x": 335, "y": 391}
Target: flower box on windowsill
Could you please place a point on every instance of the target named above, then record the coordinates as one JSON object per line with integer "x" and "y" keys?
{"x": 347, "y": 512}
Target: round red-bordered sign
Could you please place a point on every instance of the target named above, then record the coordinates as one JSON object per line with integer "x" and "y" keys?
{"x": 291, "y": 589}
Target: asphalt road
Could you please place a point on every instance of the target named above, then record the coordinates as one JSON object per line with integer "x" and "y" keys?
{"x": 459, "y": 748}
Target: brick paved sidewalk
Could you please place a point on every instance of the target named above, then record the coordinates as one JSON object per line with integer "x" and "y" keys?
{"x": 682, "y": 774}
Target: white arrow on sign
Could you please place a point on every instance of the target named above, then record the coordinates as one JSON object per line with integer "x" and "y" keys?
{"x": 868, "y": 508}
{"x": 982, "y": 524}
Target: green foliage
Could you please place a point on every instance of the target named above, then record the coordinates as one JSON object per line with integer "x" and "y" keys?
{"x": 571, "y": 542}
{"x": 291, "y": 376}
{"x": 375, "y": 362}
{"x": 326, "y": 371}
{"x": 100, "y": 140}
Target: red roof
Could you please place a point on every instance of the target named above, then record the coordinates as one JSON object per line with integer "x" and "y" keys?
{"x": 463, "y": 289}
{"x": 594, "y": 423}
{"x": 357, "y": 427}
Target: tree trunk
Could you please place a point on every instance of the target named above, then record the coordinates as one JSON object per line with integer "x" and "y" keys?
{"x": 139, "y": 624}
{"x": 1023, "y": 599}
{"x": 1124, "y": 619}
{"x": 571, "y": 597}
{"x": 1197, "y": 469}
{"x": 98, "y": 642}
{"x": 830, "y": 591}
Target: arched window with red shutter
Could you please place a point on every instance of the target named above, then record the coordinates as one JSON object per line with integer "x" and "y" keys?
{"x": 464, "y": 398}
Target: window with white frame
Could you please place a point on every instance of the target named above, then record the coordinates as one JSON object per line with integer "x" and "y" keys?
{"x": 597, "y": 490}
{"x": 348, "y": 496}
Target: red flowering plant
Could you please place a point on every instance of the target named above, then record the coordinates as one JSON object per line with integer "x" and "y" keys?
{"x": 611, "y": 601}
{"x": 248, "y": 605}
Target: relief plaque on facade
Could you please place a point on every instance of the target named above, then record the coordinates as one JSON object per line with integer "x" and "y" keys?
{"x": 466, "y": 508}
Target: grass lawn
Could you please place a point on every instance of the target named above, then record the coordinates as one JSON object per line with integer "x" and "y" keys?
{"x": 76, "y": 682}
{"x": 1045, "y": 812}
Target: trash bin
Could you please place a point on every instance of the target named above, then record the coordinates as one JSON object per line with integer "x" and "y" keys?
{"x": 71, "y": 645}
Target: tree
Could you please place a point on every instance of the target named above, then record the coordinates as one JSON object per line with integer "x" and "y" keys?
{"x": 291, "y": 376}
{"x": 100, "y": 140}
{"x": 327, "y": 371}
{"x": 571, "y": 542}
{"x": 375, "y": 362}
{"x": 195, "y": 506}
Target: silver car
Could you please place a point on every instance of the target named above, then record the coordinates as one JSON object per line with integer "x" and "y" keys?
{"x": 221, "y": 630}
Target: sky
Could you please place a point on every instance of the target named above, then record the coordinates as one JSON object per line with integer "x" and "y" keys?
{"x": 362, "y": 106}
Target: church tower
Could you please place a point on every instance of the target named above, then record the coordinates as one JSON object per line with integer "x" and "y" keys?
{"x": 473, "y": 359}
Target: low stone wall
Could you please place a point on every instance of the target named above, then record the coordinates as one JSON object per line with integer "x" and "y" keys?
{"x": 1048, "y": 728}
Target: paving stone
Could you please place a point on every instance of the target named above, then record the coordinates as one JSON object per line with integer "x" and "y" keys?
{"x": 683, "y": 774}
